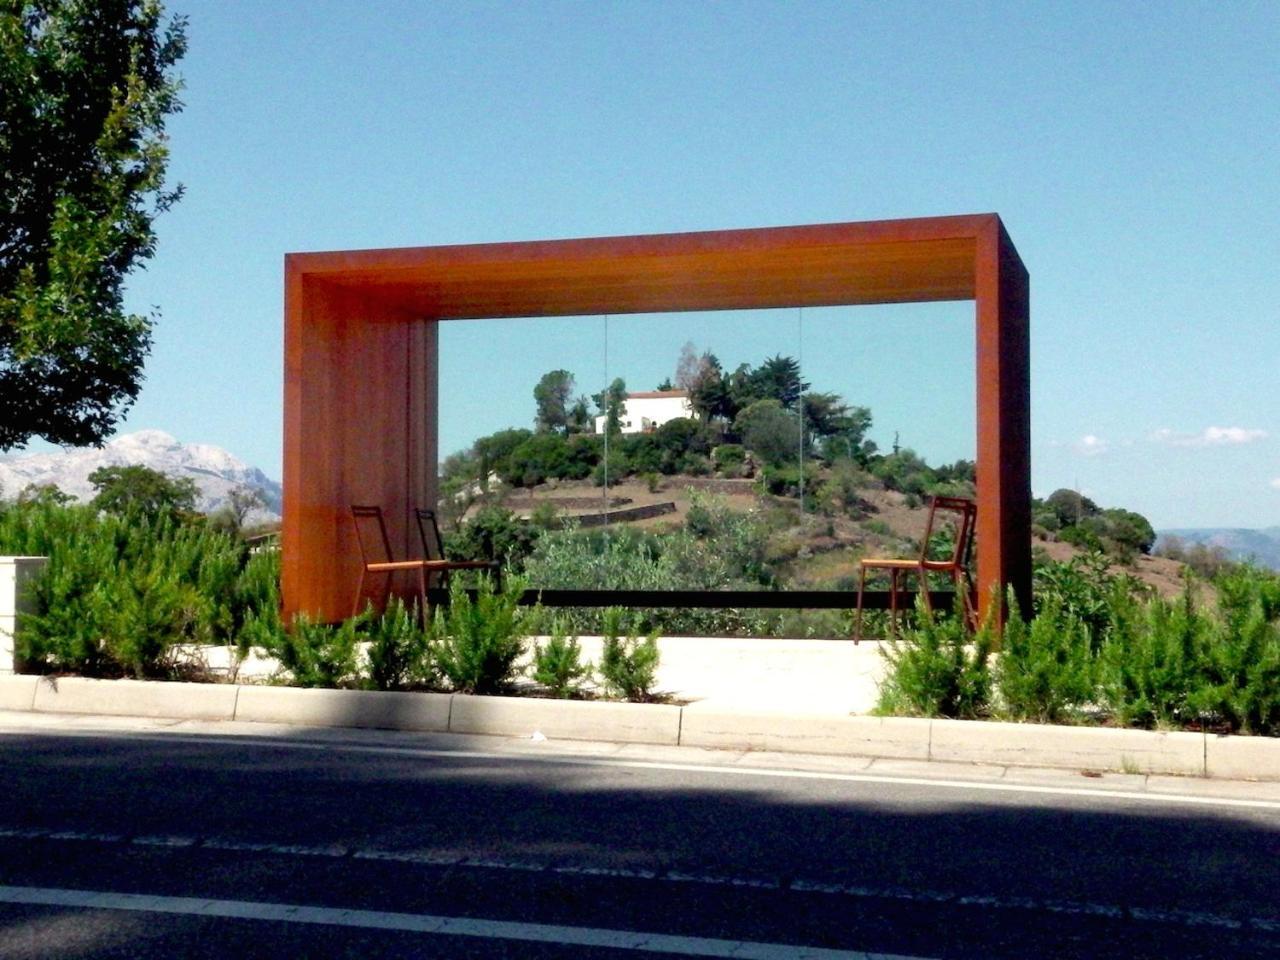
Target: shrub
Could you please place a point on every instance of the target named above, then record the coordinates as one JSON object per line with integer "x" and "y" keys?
{"x": 541, "y": 456}
{"x": 494, "y": 533}
{"x": 1241, "y": 686}
{"x": 628, "y": 664}
{"x": 479, "y": 641}
{"x": 640, "y": 451}
{"x": 840, "y": 494}
{"x": 729, "y": 459}
{"x": 558, "y": 666}
{"x": 680, "y": 437}
{"x": 1045, "y": 670}
{"x": 616, "y": 468}
{"x": 905, "y": 471}
{"x": 118, "y": 594}
{"x": 1152, "y": 662}
{"x": 1085, "y": 590}
{"x": 694, "y": 465}
{"x": 317, "y": 654}
{"x": 720, "y": 548}
{"x": 398, "y": 651}
{"x": 784, "y": 481}
{"x": 935, "y": 671}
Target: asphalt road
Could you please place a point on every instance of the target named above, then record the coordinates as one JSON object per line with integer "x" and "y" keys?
{"x": 141, "y": 843}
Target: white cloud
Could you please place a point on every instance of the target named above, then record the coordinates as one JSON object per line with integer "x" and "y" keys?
{"x": 1090, "y": 445}
{"x": 1210, "y": 437}
{"x": 1276, "y": 483}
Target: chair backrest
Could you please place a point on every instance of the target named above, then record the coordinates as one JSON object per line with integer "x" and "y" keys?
{"x": 371, "y": 532}
{"x": 965, "y": 512}
{"x": 429, "y": 531}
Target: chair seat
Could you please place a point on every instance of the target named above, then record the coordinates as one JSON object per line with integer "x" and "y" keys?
{"x": 890, "y": 564}
{"x": 387, "y": 566}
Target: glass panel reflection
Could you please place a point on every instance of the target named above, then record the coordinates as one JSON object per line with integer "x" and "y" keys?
{"x": 737, "y": 450}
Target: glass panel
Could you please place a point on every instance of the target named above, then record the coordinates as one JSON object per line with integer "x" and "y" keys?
{"x": 678, "y": 452}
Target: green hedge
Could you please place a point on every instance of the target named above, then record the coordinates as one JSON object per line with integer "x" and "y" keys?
{"x": 1099, "y": 650}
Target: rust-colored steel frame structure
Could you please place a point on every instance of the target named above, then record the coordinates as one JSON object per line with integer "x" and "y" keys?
{"x": 361, "y": 357}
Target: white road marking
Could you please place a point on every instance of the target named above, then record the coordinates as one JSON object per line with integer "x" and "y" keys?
{"x": 922, "y": 895}
{"x": 430, "y": 924}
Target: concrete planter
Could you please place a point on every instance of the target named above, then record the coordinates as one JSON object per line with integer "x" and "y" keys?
{"x": 16, "y": 577}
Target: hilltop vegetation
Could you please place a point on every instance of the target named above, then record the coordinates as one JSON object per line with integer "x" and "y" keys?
{"x": 769, "y": 485}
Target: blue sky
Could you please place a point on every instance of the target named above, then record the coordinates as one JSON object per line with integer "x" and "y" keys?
{"x": 1130, "y": 149}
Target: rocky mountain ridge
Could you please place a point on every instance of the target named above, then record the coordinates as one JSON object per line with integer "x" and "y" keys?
{"x": 214, "y": 471}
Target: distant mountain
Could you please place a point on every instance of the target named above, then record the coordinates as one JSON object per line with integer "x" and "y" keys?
{"x": 1262, "y": 546}
{"x": 215, "y": 471}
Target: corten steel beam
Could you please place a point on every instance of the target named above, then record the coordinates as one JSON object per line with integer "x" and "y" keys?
{"x": 360, "y": 356}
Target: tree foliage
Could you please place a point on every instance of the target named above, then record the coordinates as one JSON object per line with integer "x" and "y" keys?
{"x": 136, "y": 489}
{"x": 552, "y": 396}
{"x": 769, "y": 430}
{"x": 612, "y": 404}
{"x": 84, "y": 92}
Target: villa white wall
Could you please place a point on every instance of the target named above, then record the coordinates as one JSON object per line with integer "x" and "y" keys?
{"x": 648, "y": 411}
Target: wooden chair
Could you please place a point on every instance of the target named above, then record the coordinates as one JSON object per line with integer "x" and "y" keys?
{"x": 955, "y": 566}
{"x": 433, "y": 549}
{"x": 377, "y": 558}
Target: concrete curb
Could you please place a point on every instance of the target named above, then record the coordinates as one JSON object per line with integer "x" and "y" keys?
{"x": 17, "y": 692}
{"x": 1085, "y": 748}
{"x": 567, "y": 719}
{"x": 135, "y": 698}
{"x": 422, "y": 712}
{"x": 697, "y": 725}
{"x": 898, "y": 737}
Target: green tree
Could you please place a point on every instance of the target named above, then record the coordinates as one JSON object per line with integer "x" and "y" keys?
{"x": 138, "y": 489}
{"x": 231, "y": 516}
{"x": 1132, "y": 531}
{"x": 709, "y": 392}
{"x": 778, "y": 378}
{"x": 84, "y": 92}
{"x": 612, "y": 402}
{"x": 579, "y": 417}
{"x": 552, "y": 395}
{"x": 492, "y": 451}
{"x": 770, "y": 431}
{"x": 1070, "y": 507}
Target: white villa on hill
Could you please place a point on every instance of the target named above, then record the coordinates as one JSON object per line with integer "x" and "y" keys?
{"x": 645, "y": 412}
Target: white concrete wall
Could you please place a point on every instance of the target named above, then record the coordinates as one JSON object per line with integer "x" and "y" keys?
{"x": 16, "y": 574}
{"x": 642, "y": 413}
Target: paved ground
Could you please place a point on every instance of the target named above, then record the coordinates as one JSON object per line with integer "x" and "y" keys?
{"x": 140, "y": 839}
{"x": 786, "y": 676}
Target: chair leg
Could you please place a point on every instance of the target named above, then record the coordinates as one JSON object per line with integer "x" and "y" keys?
{"x": 893, "y": 601}
{"x": 422, "y": 595}
{"x": 924, "y": 590}
{"x": 857, "y": 619}
{"x": 355, "y": 609}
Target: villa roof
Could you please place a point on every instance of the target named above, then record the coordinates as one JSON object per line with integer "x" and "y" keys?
{"x": 653, "y": 394}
